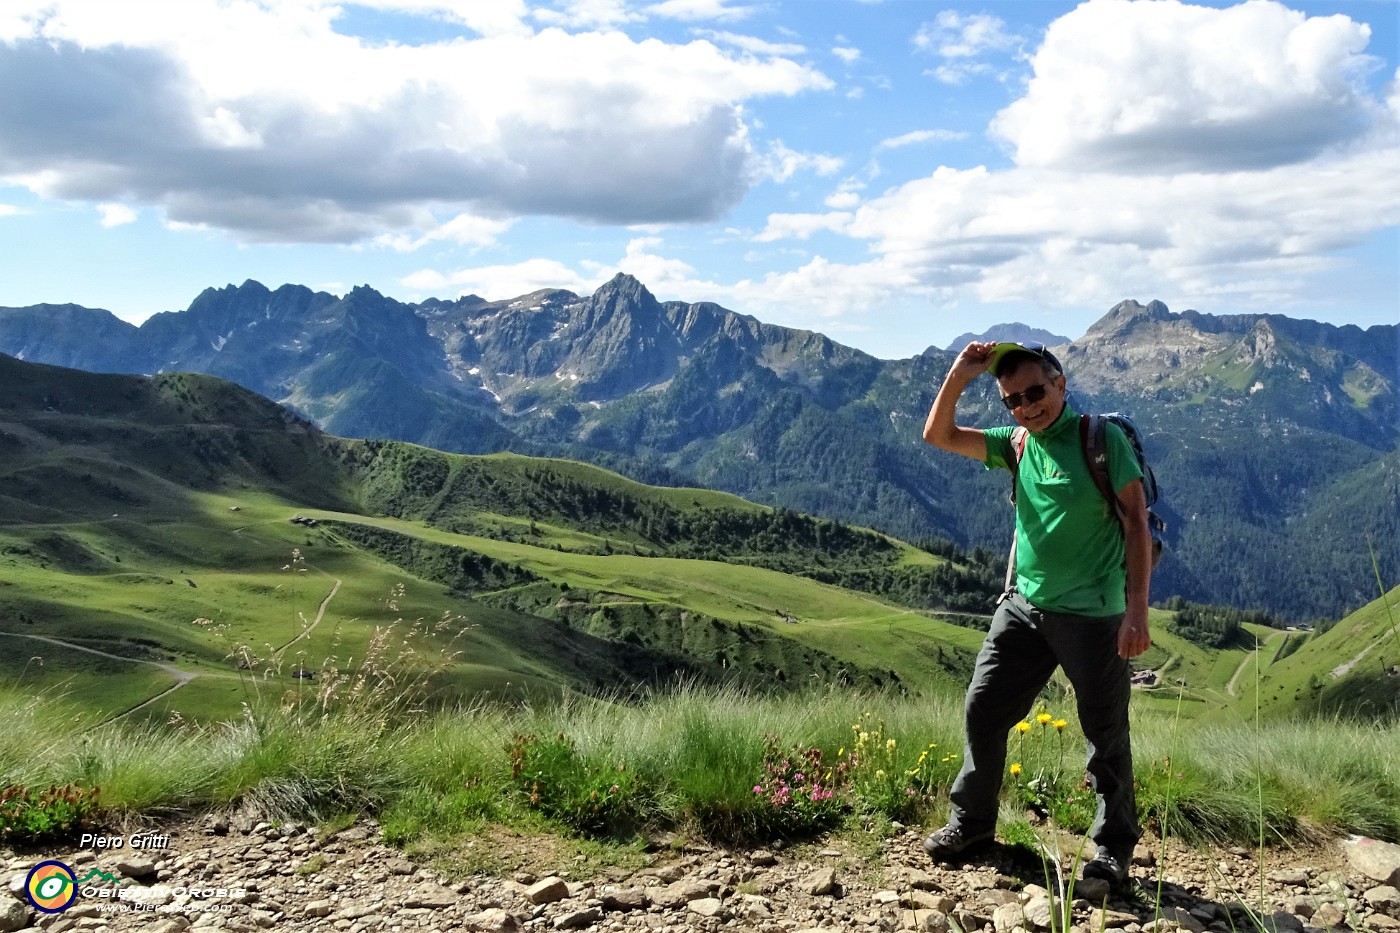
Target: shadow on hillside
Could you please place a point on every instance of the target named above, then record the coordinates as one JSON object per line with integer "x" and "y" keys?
{"x": 1366, "y": 696}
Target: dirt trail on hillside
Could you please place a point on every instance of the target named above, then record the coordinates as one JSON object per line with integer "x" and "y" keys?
{"x": 181, "y": 676}
{"x": 306, "y": 632}
{"x": 1341, "y": 670}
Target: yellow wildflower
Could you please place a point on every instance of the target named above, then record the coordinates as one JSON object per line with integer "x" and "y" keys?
{"x": 889, "y": 746}
{"x": 1044, "y": 719}
{"x": 1015, "y": 768}
{"x": 1059, "y": 725}
{"x": 1023, "y": 727}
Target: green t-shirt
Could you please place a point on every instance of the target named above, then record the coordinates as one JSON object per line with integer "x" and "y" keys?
{"x": 1069, "y": 545}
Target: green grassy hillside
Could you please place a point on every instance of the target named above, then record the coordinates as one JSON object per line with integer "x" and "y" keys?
{"x": 174, "y": 546}
{"x": 1351, "y": 670}
{"x": 148, "y": 550}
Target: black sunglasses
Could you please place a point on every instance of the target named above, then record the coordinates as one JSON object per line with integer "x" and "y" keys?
{"x": 1029, "y": 397}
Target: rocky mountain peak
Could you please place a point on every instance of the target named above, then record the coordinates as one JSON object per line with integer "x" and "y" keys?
{"x": 623, "y": 291}
{"x": 1127, "y": 316}
{"x": 436, "y": 308}
{"x": 1262, "y": 342}
{"x": 1139, "y": 345}
{"x": 215, "y": 301}
{"x": 619, "y": 340}
{"x": 1014, "y": 332}
{"x": 238, "y": 304}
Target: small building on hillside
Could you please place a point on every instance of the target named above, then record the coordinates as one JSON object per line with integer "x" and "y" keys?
{"x": 1144, "y": 678}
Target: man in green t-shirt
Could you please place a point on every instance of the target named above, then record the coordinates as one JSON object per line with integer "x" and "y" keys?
{"x": 1078, "y": 599}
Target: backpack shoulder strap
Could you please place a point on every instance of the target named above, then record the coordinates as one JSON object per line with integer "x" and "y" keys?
{"x": 1018, "y": 450}
{"x": 1018, "y": 441}
{"x": 1093, "y": 440}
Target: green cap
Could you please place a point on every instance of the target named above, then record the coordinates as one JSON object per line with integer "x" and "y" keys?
{"x": 1035, "y": 349}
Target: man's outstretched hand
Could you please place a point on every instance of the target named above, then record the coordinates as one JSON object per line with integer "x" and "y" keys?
{"x": 1133, "y": 637}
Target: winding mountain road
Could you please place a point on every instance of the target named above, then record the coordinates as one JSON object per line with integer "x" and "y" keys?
{"x": 181, "y": 675}
{"x": 1253, "y": 655}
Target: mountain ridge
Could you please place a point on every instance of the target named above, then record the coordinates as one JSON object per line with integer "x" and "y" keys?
{"x": 1012, "y": 332}
{"x": 696, "y": 394}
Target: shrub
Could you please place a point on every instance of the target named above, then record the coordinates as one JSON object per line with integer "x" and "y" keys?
{"x": 802, "y": 795}
{"x": 33, "y": 816}
{"x": 582, "y": 792}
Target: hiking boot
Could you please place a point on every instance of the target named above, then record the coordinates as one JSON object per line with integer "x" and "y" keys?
{"x": 950, "y": 842}
{"x": 1107, "y": 867}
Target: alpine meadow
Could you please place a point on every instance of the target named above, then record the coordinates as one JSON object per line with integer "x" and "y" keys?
{"x": 228, "y": 609}
{"x": 171, "y": 538}
{"x": 506, "y": 466}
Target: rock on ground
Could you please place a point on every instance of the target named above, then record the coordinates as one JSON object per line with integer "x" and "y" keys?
{"x": 224, "y": 874}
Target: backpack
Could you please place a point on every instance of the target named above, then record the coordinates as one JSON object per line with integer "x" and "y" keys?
{"x": 1092, "y": 440}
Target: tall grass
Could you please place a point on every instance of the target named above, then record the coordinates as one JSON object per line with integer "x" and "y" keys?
{"x": 1312, "y": 778}
{"x": 694, "y": 757}
{"x": 36, "y": 727}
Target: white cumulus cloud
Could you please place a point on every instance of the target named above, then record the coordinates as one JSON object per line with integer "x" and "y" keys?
{"x": 115, "y": 215}
{"x": 1231, "y": 155}
{"x": 751, "y": 44}
{"x": 962, "y": 41}
{"x": 589, "y": 14}
{"x": 334, "y": 139}
{"x": 487, "y": 17}
{"x": 823, "y": 289}
{"x": 782, "y": 163}
{"x": 694, "y": 10}
{"x": 499, "y": 282}
{"x": 1168, "y": 86}
{"x": 803, "y": 226}
{"x": 464, "y": 229}
{"x": 958, "y": 35}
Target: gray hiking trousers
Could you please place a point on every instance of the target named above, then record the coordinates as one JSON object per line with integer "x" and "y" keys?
{"x": 1018, "y": 657}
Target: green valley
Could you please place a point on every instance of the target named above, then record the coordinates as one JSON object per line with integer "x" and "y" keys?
{"x": 174, "y": 547}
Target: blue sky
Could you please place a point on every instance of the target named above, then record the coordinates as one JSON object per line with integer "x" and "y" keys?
{"x": 891, "y": 173}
